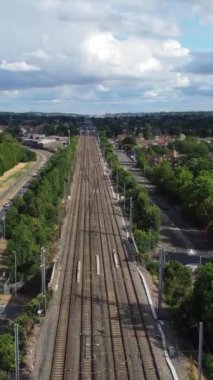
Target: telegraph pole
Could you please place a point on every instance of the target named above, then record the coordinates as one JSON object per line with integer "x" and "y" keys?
{"x": 16, "y": 351}
{"x": 59, "y": 218}
{"x": 43, "y": 277}
{"x": 160, "y": 287}
{"x": 200, "y": 350}
{"x": 15, "y": 272}
{"x": 124, "y": 197}
{"x": 130, "y": 217}
{"x": 117, "y": 184}
{"x": 3, "y": 220}
{"x": 68, "y": 136}
{"x": 65, "y": 197}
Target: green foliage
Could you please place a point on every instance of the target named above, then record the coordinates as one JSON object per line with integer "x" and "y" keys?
{"x": 146, "y": 240}
{"x": 25, "y": 321}
{"x": 147, "y": 132}
{"x": 11, "y": 153}
{"x": 129, "y": 142}
{"x": 30, "y": 223}
{"x": 203, "y": 300}
{"x": 191, "y": 146}
{"x": 191, "y": 182}
{"x": 208, "y": 365}
{"x": 198, "y": 164}
{"x": 27, "y": 155}
{"x": 22, "y": 241}
{"x": 5, "y": 375}
{"x": 151, "y": 265}
{"x": 177, "y": 284}
{"x": 146, "y": 216}
{"x": 110, "y": 128}
{"x": 7, "y": 360}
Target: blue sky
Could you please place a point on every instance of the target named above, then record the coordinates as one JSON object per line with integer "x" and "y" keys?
{"x": 115, "y": 56}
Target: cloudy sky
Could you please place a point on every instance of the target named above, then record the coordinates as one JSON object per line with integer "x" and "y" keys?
{"x": 95, "y": 56}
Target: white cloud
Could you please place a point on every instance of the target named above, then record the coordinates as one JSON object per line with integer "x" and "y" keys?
{"x": 56, "y": 100}
{"x": 41, "y": 54}
{"x": 182, "y": 80}
{"x": 151, "y": 64}
{"x": 61, "y": 56}
{"x": 150, "y": 94}
{"x": 117, "y": 52}
{"x": 102, "y": 46}
{"x": 10, "y": 92}
{"x": 18, "y": 66}
{"x": 132, "y": 57}
{"x": 174, "y": 48}
{"x": 102, "y": 88}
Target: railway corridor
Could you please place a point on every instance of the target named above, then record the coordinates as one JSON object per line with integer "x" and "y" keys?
{"x": 101, "y": 332}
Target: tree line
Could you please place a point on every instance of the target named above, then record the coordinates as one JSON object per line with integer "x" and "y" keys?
{"x": 190, "y": 301}
{"x": 32, "y": 222}
{"x": 146, "y": 215}
{"x": 188, "y": 181}
{"x": 11, "y": 153}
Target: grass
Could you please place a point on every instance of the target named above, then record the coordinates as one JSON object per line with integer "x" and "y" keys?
{"x": 6, "y": 181}
{"x": 193, "y": 372}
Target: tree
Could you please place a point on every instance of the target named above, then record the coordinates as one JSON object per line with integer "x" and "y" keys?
{"x": 203, "y": 300}
{"x": 23, "y": 242}
{"x": 146, "y": 240}
{"x": 177, "y": 284}
{"x": 4, "y": 375}
{"x": 7, "y": 359}
{"x": 128, "y": 142}
{"x": 152, "y": 218}
{"x": 147, "y": 132}
{"x": 205, "y": 211}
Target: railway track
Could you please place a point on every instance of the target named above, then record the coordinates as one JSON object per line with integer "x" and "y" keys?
{"x": 101, "y": 331}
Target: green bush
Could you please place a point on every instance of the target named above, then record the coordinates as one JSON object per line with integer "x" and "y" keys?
{"x": 208, "y": 365}
{"x": 146, "y": 240}
{"x": 7, "y": 360}
{"x": 152, "y": 266}
{"x": 177, "y": 284}
{"x": 5, "y": 375}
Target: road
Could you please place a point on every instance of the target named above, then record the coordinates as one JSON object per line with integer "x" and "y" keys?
{"x": 104, "y": 329}
{"x": 181, "y": 240}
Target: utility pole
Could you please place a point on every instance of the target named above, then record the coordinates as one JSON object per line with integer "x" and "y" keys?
{"x": 59, "y": 218}
{"x": 130, "y": 217}
{"x": 200, "y": 350}
{"x": 160, "y": 286}
{"x": 16, "y": 351}
{"x": 3, "y": 220}
{"x": 68, "y": 136}
{"x": 124, "y": 197}
{"x": 15, "y": 272}
{"x": 117, "y": 184}
{"x": 43, "y": 277}
{"x": 65, "y": 197}
{"x": 64, "y": 189}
